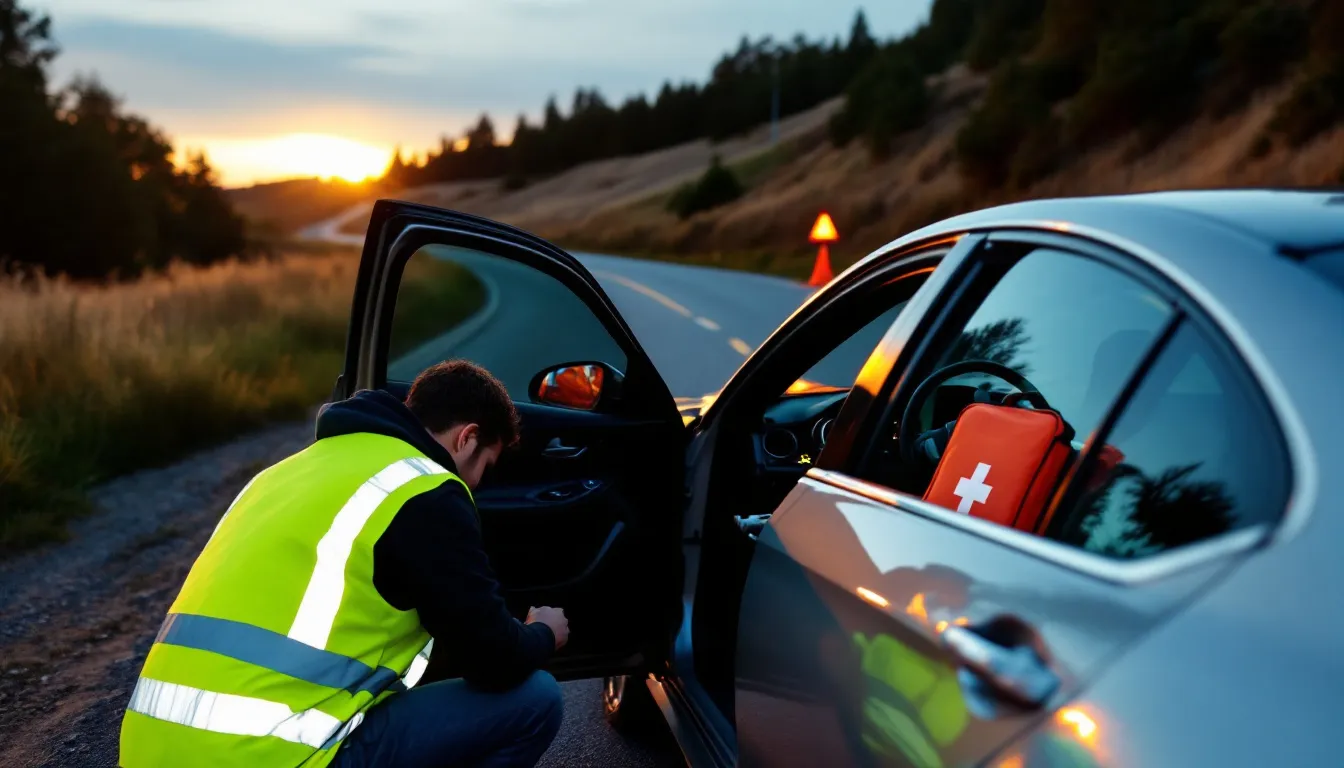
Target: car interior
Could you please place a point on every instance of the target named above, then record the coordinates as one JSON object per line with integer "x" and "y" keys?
{"x": 569, "y": 511}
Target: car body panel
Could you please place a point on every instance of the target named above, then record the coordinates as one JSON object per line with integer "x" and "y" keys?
{"x": 836, "y": 572}
{"x": 1227, "y": 661}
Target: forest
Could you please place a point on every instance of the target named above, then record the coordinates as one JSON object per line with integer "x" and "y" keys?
{"x": 91, "y": 190}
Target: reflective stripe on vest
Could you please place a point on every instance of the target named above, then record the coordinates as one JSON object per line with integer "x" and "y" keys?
{"x": 418, "y": 665}
{"x": 301, "y": 654}
{"x": 322, "y": 599}
{"x": 237, "y": 715}
{"x": 272, "y": 650}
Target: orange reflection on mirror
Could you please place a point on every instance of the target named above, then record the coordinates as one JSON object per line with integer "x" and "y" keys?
{"x": 575, "y": 386}
{"x": 916, "y": 608}
{"x": 873, "y": 597}
{"x": 1079, "y": 722}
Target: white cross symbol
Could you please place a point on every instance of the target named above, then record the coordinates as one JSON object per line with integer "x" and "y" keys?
{"x": 972, "y": 489}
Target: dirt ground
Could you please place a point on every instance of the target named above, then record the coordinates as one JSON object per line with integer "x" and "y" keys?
{"x": 78, "y": 617}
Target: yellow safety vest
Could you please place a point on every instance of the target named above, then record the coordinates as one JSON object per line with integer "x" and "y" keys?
{"x": 279, "y": 642}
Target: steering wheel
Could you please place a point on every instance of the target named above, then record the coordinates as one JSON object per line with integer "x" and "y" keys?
{"x": 909, "y": 432}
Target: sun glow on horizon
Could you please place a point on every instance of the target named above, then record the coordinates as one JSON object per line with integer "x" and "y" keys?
{"x": 296, "y": 155}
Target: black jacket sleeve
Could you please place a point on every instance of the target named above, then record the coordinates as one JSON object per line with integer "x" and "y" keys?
{"x": 431, "y": 558}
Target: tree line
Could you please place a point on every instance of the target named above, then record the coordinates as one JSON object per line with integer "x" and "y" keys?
{"x": 89, "y": 189}
{"x": 1067, "y": 75}
{"x": 738, "y": 96}
{"x": 1064, "y": 76}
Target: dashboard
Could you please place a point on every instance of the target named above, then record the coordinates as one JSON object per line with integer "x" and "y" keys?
{"x": 794, "y": 430}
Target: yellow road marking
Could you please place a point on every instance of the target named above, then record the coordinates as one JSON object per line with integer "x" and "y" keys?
{"x": 742, "y": 347}
{"x": 706, "y": 323}
{"x": 647, "y": 291}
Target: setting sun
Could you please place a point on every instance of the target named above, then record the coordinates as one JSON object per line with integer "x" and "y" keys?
{"x": 296, "y": 155}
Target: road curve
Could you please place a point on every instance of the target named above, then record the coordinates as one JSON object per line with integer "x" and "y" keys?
{"x": 697, "y": 324}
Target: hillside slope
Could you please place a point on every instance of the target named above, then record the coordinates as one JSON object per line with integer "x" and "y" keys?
{"x": 920, "y": 182}
{"x": 572, "y": 200}
{"x": 618, "y": 205}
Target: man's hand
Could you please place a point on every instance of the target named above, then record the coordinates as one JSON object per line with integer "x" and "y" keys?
{"x": 553, "y": 618}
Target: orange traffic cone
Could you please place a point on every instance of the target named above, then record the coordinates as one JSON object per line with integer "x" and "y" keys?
{"x": 821, "y": 272}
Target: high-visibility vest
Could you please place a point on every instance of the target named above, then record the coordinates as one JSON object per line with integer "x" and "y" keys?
{"x": 279, "y": 642}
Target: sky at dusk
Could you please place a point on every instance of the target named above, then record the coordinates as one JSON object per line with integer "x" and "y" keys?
{"x": 283, "y": 88}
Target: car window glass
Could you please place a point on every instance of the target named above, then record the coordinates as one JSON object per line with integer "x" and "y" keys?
{"x": 1075, "y": 328}
{"x": 1192, "y": 455}
{"x": 510, "y": 318}
{"x": 1070, "y": 327}
{"x": 840, "y": 367}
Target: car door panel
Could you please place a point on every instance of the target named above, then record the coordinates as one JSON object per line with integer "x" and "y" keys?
{"x": 583, "y": 513}
{"x": 849, "y": 596}
{"x": 916, "y": 635}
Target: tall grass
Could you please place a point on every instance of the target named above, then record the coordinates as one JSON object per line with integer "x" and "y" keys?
{"x": 100, "y": 380}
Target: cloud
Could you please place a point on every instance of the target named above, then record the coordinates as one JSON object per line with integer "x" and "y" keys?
{"x": 409, "y": 71}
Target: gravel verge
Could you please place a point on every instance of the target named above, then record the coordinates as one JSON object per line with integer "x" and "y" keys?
{"x": 77, "y": 617}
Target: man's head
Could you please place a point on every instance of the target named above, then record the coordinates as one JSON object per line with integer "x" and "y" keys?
{"x": 468, "y": 412}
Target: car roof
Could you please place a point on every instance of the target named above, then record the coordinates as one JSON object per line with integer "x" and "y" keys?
{"x": 1294, "y": 223}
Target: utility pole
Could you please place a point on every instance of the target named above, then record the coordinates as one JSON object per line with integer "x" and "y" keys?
{"x": 774, "y": 103}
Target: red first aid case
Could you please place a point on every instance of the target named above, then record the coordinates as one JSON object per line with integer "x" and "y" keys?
{"x": 1002, "y": 463}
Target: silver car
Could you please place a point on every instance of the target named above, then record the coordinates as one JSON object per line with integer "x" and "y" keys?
{"x": 1073, "y": 511}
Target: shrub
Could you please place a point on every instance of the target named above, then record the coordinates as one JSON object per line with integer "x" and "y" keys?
{"x": 1260, "y": 42}
{"x": 1317, "y": 103}
{"x": 718, "y": 186}
{"x": 887, "y": 98}
{"x": 1005, "y": 28}
{"x": 1146, "y": 78}
{"x": 1314, "y": 106}
{"x": 1015, "y": 104}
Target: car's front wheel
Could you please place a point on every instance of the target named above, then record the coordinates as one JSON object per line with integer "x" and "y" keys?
{"x": 628, "y": 705}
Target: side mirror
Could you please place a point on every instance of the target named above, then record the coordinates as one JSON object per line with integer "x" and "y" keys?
{"x": 580, "y": 386}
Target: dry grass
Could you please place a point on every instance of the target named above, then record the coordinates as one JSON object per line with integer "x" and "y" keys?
{"x": 101, "y": 380}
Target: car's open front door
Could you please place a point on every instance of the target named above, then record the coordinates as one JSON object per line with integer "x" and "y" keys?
{"x": 585, "y": 513}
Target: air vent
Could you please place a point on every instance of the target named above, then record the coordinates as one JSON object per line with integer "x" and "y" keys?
{"x": 822, "y": 431}
{"x": 780, "y": 443}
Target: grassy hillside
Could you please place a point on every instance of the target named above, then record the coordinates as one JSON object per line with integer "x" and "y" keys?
{"x": 100, "y": 380}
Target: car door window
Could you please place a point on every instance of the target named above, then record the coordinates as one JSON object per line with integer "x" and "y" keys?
{"x": 1068, "y": 326}
{"x": 1074, "y": 327}
{"x": 504, "y": 315}
{"x": 1192, "y": 455}
{"x": 840, "y": 367}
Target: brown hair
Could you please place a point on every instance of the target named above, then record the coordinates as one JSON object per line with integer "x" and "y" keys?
{"x": 461, "y": 392}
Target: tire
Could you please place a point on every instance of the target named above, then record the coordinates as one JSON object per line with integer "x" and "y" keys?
{"x": 628, "y": 705}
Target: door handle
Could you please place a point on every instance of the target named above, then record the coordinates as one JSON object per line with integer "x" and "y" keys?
{"x": 556, "y": 449}
{"x": 1016, "y": 672}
